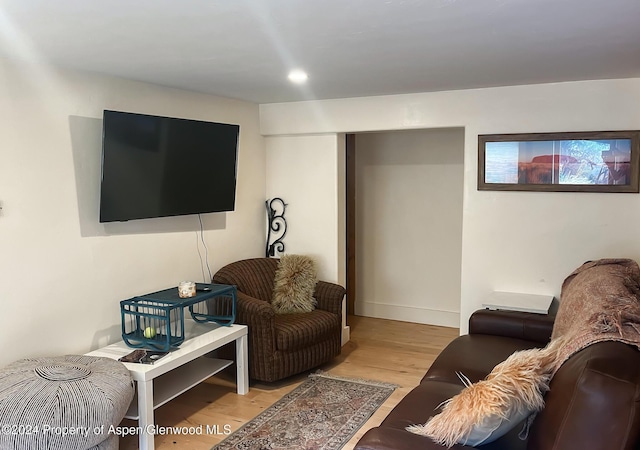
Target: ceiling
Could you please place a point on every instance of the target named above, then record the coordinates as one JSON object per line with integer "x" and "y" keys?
{"x": 350, "y": 48}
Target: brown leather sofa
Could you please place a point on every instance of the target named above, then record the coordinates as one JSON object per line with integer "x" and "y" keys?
{"x": 593, "y": 402}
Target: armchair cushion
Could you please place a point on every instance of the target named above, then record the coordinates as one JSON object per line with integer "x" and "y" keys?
{"x": 294, "y": 331}
{"x": 294, "y": 283}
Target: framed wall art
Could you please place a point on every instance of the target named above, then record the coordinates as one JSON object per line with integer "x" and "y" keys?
{"x": 603, "y": 161}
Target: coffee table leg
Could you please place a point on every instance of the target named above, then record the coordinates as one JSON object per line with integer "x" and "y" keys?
{"x": 145, "y": 411}
{"x": 242, "y": 365}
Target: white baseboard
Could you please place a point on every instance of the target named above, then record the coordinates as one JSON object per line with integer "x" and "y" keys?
{"x": 414, "y": 314}
{"x": 346, "y": 334}
{"x": 346, "y": 330}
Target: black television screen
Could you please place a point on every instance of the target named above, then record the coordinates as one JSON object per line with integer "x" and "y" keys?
{"x": 161, "y": 166}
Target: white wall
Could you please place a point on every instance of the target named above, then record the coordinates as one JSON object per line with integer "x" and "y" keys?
{"x": 62, "y": 273}
{"x": 303, "y": 171}
{"x": 308, "y": 173}
{"x": 409, "y": 225}
{"x": 519, "y": 241}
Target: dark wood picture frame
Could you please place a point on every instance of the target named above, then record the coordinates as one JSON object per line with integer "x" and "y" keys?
{"x": 592, "y": 161}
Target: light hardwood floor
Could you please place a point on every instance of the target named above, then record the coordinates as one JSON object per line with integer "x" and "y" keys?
{"x": 379, "y": 349}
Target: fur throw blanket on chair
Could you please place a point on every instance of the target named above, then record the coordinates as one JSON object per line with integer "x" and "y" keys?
{"x": 600, "y": 301}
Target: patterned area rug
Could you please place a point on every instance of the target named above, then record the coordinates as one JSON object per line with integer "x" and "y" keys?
{"x": 324, "y": 412}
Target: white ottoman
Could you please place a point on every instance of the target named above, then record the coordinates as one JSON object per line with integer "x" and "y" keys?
{"x": 63, "y": 403}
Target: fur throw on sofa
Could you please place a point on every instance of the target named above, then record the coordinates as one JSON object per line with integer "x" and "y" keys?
{"x": 486, "y": 410}
{"x": 600, "y": 301}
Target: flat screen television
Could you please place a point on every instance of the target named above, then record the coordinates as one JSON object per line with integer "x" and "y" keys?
{"x": 156, "y": 166}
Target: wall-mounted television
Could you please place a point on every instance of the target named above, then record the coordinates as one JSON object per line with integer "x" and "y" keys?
{"x": 156, "y": 166}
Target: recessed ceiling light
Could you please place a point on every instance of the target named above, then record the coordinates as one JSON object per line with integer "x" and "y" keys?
{"x": 298, "y": 76}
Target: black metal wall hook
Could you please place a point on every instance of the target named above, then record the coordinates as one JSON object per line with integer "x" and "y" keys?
{"x": 277, "y": 224}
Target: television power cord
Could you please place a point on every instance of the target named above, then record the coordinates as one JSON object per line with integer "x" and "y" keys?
{"x": 206, "y": 254}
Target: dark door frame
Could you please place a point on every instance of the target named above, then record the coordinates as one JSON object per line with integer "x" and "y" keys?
{"x": 350, "y": 202}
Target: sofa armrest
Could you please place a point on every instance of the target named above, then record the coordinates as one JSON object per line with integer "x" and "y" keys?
{"x": 260, "y": 318}
{"x": 513, "y": 324}
{"x": 329, "y": 297}
{"x": 255, "y": 312}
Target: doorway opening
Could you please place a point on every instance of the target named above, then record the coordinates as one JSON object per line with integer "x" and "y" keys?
{"x": 404, "y": 224}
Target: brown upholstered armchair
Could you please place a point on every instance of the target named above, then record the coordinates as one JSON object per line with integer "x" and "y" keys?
{"x": 281, "y": 345}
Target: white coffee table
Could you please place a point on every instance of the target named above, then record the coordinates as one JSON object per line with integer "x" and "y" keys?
{"x": 180, "y": 370}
